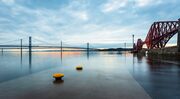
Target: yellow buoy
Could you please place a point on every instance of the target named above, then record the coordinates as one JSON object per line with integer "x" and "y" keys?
{"x": 58, "y": 76}
{"x": 79, "y": 67}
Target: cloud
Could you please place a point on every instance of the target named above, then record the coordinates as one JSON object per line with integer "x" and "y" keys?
{"x": 144, "y": 3}
{"x": 125, "y": 5}
{"x": 77, "y": 9}
{"x": 113, "y": 5}
{"x": 50, "y": 25}
{"x": 101, "y": 33}
{"x": 82, "y": 15}
{"x": 8, "y": 2}
{"x": 79, "y": 21}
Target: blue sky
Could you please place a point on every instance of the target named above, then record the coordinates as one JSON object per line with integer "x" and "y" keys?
{"x": 81, "y": 21}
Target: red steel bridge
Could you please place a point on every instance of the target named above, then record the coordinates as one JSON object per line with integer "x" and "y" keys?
{"x": 159, "y": 34}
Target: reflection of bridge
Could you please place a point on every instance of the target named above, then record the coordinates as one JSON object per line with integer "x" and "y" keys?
{"x": 159, "y": 34}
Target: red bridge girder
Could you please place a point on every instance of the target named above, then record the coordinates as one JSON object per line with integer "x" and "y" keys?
{"x": 159, "y": 34}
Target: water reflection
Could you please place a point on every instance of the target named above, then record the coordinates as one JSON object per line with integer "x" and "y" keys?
{"x": 139, "y": 57}
{"x": 61, "y": 56}
{"x": 30, "y": 59}
{"x": 57, "y": 82}
{"x": 157, "y": 73}
{"x": 2, "y": 52}
{"x": 133, "y": 63}
{"x": 151, "y": 73}
{"x": 88, "y": 55}
{"x": 120, "y": 53}
{"x": 79, "y": 70}
{"x": 21, "y": 58}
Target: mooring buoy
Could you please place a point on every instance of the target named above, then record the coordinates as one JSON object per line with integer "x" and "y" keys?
{"x": 58, "y": 76}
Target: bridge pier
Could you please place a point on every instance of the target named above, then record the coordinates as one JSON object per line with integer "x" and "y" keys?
{"x": 21, "y": 49}
{"x": 133, "y": 41}
{"x": 124, "y": 46}
{"x": 30, "y": 45}
{"x": 61, "y": 50}
{"x": 30, "y": 50}
{"x": 178, "y": 36}
{"x": 87, "y": 50}
{"x": 21, "y": 46}
{"x": 87, "y": 47}
{"x": 61, "y": 47}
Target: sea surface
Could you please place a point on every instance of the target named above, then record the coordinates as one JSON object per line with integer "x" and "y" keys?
{"x": 159, "y": 78}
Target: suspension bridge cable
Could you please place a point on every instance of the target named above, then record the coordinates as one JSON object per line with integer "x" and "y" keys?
{"x": 44, "y": 41}
{"x": 9, "y": 41}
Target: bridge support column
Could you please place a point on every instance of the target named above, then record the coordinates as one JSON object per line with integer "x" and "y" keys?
{"x": 30, "y": 50}
{"x": 124, "y": 46}
{"x": 87, "y": 50}
{"x": 87, "y": 47}
{"x": 21, "y": 49}
{"x": 61, "y": 47}
{"x": 178, "y": 36}
{"x": 61, "y": 50}
{"x": 21, "y": 46}
{"x": 133, "y": 41}
{"x": 30, "y": 46}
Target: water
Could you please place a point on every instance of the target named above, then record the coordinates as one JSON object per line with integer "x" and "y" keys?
{"x": 159, "y": 78}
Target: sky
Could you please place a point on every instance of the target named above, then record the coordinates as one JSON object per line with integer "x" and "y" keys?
{"x": 80, "y": 21}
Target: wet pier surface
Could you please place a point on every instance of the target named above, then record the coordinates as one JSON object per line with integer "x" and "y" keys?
{"x": 104, "y": 76}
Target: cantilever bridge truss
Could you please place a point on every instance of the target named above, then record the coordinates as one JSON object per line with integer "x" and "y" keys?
{"x": 159, "y": 34}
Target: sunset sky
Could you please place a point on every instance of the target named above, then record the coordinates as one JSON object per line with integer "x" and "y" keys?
{"x": 80, "y": 21}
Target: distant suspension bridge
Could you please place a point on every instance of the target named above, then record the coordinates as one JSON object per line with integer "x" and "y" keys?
{"x": 52, "y": 46}
{"x": 62, "y": 46}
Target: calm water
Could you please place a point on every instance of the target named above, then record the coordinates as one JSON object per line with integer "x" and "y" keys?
{"x": 159, "y": 78}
